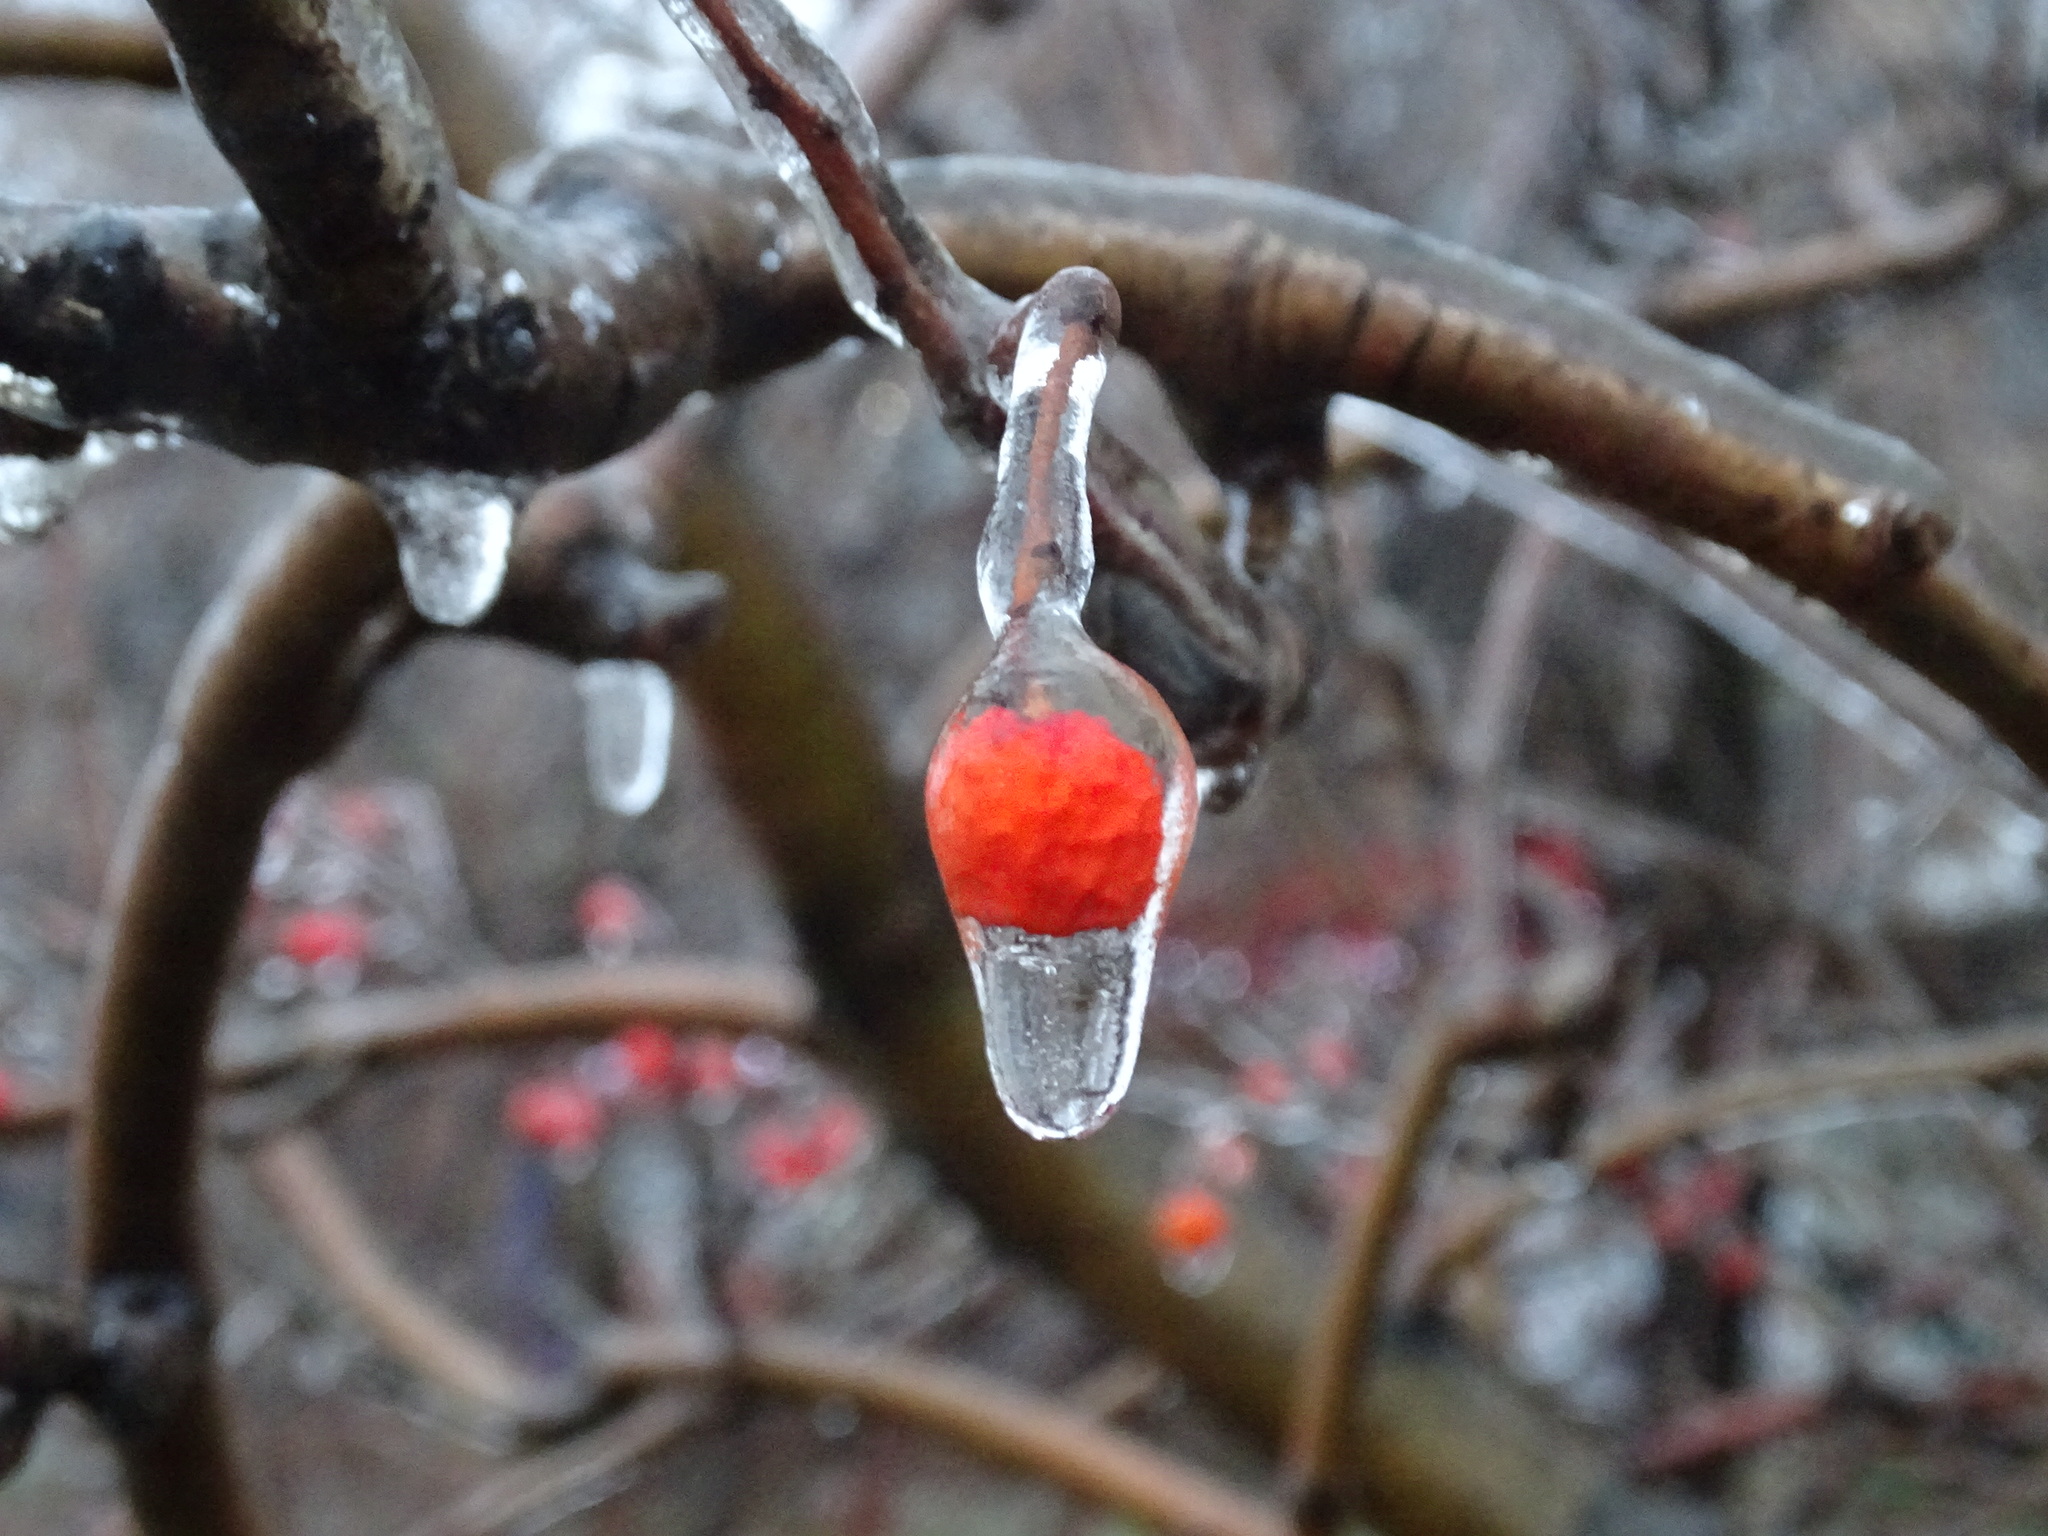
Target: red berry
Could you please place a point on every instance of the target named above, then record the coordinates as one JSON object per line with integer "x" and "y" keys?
{"x": 1330, "y": 1057}
{"x": 1558, "y": 855}
{"x": 705, "y": 1065}
{"x": 1265, "y": 1081}
{"x": 1050, "y": 824}
{"x": 359, "y": 816}
{"x": 323, "y": 933}
{"x": 1230, "y": 1162}
{"x": 1188, "y": 1220}
{"x": 779, "y": 1155}
{"x": 648, "y": 1054}
{"x": 1737, "y": 1267}
{"x": 609, "y": 910}
{"x": 556, "y": 1114}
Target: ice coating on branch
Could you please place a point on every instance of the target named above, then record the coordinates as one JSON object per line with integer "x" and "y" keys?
{"x": 1061, "y": 795}
{"x": 454, "y": 529}
{"x": 37, "y": 494}
{"x": 1065, "y": 558}
{"x": 629, "y": 717}
{"x": 24, "y": 394}
{"x": 799, "y": 58}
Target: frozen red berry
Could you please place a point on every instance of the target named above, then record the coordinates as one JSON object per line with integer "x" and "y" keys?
{"x": 1052, "y": 824}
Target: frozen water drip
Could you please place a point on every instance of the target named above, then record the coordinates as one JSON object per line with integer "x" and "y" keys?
{"x": 629, "y": 717}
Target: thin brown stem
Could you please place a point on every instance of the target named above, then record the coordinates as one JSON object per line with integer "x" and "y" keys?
{"x": 86, "y": 48}
{"x": 499, "y": 1007}
{"x": 948, "y": 319}
{"x": 1898, "y": 242}
{"x": 1984, "y": 1057}
{"x": 981, "y": 1412}
{"x": 550, "y": 1479}
{"x": 296, "y": 1176}
{"x": 1497, "y": 682}
{"x": 1009, "y": 1426}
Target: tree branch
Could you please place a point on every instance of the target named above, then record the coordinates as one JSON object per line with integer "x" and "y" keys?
{"x": 495, "y": 1008}
{"x": 78, "y": 47}
{"x": 300, "y": 1182}
{"x": 1337, "y": 1359}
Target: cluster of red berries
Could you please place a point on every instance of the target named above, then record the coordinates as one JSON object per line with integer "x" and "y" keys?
{"x": 568, "y": 1112}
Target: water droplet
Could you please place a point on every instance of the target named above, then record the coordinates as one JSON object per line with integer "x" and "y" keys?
{"x": 629, "y": 714}
{"x": 454, "y": 529}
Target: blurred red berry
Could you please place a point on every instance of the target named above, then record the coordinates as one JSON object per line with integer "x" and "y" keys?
{"x": 359, "y": 816}
{"x": 1188, "y": 1220}
{"x": 705, "y": 1065}
{"x": 790, "y": 1154}
{"x": 1737, "y": 1267}
{"x": 556, "y": 1114}
{"x": 324, "y": 933}
{"x": 609, "y": 912}
{"x": 1558, "y": 855}
{"x": 1230, "y": 1161}
{"x": 9, "y": 1094}
{"x": 1330, "y": 1057}
{"x": 1265, "y": 1081}
{"x": 779, "y": 1156}
{"x": 649, "y": 1055}
{"x": 1718, "y": 1186}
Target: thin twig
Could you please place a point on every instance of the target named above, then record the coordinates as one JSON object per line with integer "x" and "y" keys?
{"x": 1007, "y": 1425}
{"x": 85, "y": 48}
{"x": 893, "y": 42}
{"x": 1014, "y": 1427}
{"x": 551, "y": 1479}
{"x": 296, "y": 1176}
{"x": 517, "y": 1003}
{"x": 1894, "y": 240}
{"x": 1986, "y": 1056}
{"x": 1337, "y": 1357}
{"x": 1482, "y": 747}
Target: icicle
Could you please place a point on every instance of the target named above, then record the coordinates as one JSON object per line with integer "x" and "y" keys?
{"x": 453, "y": 529}
{"x": 629, "y": 715}
{"x": 800, "y": 59}
{"x": 1061, "y": 795}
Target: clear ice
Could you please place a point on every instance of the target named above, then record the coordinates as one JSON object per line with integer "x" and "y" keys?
{"x": 1062, "y": 1013}
{"x": 629, "y": 716}
{"x": 454, "y": 529}
{"x": 800, "y": 59}
{"x": 37, "y": 494}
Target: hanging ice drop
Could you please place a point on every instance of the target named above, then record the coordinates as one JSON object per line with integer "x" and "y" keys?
{"x": 1060, "y": 798}
{"x": 454, "y": 529}
{"x": 629, "y": 715}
